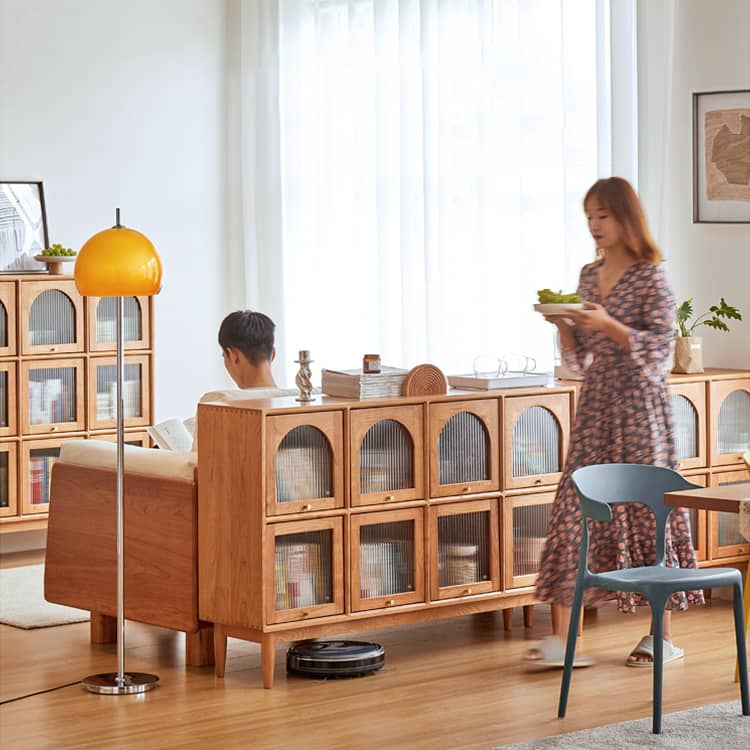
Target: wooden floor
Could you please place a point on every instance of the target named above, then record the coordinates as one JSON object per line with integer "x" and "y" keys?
{"x": 450, "y": 684}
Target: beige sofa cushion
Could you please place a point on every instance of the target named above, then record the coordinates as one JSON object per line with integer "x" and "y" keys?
{"x": 101, "y": 454}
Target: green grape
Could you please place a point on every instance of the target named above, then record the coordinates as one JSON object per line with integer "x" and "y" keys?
{"x": 548, "y": 297}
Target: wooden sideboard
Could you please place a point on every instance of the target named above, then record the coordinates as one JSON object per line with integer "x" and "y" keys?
{"x": 57, "y": 375}
{"x": 338, "y": 515}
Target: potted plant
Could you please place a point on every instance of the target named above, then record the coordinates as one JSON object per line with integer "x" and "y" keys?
{"x": 688, "y": 350}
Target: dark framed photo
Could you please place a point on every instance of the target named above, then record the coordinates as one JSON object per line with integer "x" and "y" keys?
{"x": 721, "y": 157}
{"x": 23, "y": 226}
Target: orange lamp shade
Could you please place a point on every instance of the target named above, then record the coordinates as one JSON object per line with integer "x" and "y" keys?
{"x": 118, "y": 262}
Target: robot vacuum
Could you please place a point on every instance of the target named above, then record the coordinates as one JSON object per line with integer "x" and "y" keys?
{"x": 324, "y": 659}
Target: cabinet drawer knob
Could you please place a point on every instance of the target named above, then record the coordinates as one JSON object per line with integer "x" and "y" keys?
{"x": 305, "y": 614}
{"x": 307, "y": 506}
{"x": 53, "y": 428}
{"x": 537, "y": 481}
{"x": 390, "y": 602}
{"x": 467, "y": 591}
{"x": 388, "y": 498}
{"x": 467, "y": 488}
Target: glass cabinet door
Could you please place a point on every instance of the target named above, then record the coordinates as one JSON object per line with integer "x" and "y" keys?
{"x": 37, "y": 459}
{"x": 304, "y": 462}
{"x": 52, "y": 396}
{"x": 51, "y": 317}
{"x": 136, "y": 392}
{"x": 464, "y": 549}
{"x": 387, "y": 460}
{"x": 689, "y": 416}
{"x": 8, "y": 479}
{"x": 387, "y": 559}
{"x": 7, "y": 318}
{"x": 102, "y": 323}
{"x": 699, "y": 519}
{"x": 726, "y": 540}
{"x": 307, "y": 558}
{"x": 132, "y": 437}
{"x": 537, "y": 432}
{"x": 525, "y": 521}
{"x": 8, "y": 399}
{"x": 730, "y": 421}
{"x": 464, "y": 447}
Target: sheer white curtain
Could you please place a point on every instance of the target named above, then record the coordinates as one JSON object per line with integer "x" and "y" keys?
{"x": 413, "y": 171}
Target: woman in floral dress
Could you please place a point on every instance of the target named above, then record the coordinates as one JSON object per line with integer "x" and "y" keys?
{"x": 622, "y": 342}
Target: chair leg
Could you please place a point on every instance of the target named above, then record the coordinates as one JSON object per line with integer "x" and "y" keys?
{"x": 747, "y": 618}
{"x": 657, "y": 615}
{"x": 739, "y": 629}
{"x": 570, "y": 650}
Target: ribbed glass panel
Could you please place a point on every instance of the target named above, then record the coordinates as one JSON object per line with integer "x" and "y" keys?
{"x": 52, "y": 319}
{"x": 386, "y": 559}
{"x": 536, "y": 443}
{"x": 685, "y": 418}
{"x": 3, "y": 398}
{"x": 729, "y": 523}
{"x": 106, "y": 320}
{"x": 529, "y": 534}
{"x": 463, "y": 548}
{"x": 4, "y": 479}
{"x": 3, "y": 326}
{"x": 106, "y": 392}
{"x": 463, "y": 450}
{"x": 386, "y": 458}
{"x": 303, "y": 569}
{"x": 40, "y": 473}
{"x": 303, "y": 465}
{"x": 734, "y": 423}
{"x": 52, "y": 395}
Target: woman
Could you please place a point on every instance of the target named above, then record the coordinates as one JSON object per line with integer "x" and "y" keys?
{"x": 624, "y": 415}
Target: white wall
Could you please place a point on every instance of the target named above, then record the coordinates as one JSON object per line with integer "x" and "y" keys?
{"x": 122, "y": 104}
{"x": 686, "y": 46}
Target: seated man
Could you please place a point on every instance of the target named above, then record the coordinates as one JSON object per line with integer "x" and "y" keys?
{"x": 246, "y": 339}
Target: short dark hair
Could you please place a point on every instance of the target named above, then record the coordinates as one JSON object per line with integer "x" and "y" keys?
{"x": 250, "y": 332}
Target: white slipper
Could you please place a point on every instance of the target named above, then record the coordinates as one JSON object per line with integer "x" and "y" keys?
{"x": 646, "y": 647}
{"x": 552, "y": 651}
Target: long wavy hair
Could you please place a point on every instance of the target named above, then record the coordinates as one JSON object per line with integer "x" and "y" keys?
{"x": 618, "y": 197}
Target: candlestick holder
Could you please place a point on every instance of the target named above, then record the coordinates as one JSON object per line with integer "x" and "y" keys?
{"x": 303, "y": 377}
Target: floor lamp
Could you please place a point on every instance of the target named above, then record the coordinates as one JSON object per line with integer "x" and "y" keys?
{"x": 119, "y": 262}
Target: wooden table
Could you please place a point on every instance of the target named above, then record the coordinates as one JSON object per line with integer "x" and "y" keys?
{"x": 725, "y": 498}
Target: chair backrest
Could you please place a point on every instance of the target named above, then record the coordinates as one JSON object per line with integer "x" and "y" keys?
{"x": 746, "y": 458}
{"x": 602, "y": 485}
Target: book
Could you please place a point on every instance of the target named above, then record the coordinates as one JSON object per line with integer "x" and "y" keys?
{"x": 357, "y": 384}
{"x": 173, "y": 434}
{"x": 509, "y": 380}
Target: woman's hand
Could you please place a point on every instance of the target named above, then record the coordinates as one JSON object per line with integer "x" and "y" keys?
{"x": 592, "y": 317}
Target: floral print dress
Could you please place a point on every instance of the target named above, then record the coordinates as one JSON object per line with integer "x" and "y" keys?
{"x": 624, "y": 416}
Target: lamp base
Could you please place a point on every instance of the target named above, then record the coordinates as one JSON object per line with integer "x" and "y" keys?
{"x": 107, "y": 683}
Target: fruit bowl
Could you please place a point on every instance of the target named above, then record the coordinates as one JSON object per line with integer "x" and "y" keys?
{"x": 55, "y": 262}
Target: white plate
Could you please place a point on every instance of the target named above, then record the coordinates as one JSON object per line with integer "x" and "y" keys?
{"x": 558, "y": 308}
{"x": 54, "y": 258}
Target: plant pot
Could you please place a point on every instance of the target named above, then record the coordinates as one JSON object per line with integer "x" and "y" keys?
{"x": 688, "y": 354}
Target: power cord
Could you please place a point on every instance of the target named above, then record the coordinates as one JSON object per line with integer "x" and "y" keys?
{"x": 39, "y": 692}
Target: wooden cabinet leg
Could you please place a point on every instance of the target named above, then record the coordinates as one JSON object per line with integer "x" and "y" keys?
{"x": 103, "y": 628}
{"x": 508, "y": 619}
{"x": 220, "y": 650}
{"x": 268, "y": 656}
{"x": 528, "y": 616}
{"x": 199, "y": 646}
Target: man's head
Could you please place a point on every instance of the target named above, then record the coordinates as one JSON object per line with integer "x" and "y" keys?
{"x": 246, "y": 339}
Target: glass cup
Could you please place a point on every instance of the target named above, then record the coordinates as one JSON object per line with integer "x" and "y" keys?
{"x": 519, "y": 362}
{"x": 489, "y": 366}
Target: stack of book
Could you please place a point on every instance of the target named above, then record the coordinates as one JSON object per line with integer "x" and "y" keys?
{"x": 357, "y": 384}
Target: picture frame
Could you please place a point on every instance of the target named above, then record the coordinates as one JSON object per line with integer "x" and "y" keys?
{"x": 721, "y": 157}
{"x": 23, "y": 226}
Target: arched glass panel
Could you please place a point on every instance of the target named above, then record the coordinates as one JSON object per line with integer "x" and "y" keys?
{"x": 734, "y": 423}
{"x": 463, "y": 450}
{"x": 685, "y": 418}
{"x": 304, "y": 465}
{"x": 52, "y": 319}
{"x": 386, "y": 458}
{"x": 106, "y": 320}
{"x": 536, "y": 443}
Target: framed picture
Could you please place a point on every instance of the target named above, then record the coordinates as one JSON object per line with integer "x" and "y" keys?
{"x": 23, "y": 227}
{"x": 721, "y": 157}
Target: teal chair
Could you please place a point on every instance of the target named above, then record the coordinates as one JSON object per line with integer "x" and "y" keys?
{"x": 603, "y": 485}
